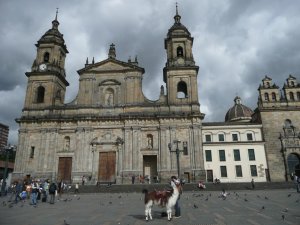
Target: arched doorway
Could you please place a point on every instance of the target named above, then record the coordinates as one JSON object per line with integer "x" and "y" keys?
{"x": 293, "y": 163}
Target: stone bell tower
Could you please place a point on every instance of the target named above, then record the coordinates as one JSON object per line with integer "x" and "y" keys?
{"x": 47, "y": 82}
{"x": 180, "y": 71}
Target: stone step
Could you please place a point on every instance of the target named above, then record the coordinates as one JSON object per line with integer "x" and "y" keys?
{"x": 104, "y": 188}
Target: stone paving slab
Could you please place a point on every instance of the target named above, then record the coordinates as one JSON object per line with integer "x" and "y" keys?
{"x": 258, "y": 207}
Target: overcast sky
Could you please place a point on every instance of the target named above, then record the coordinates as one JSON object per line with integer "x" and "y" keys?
{"x": 236, "y": 43}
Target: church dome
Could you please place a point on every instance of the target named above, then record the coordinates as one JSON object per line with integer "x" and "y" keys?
{"x": 238, "y": 112}
{"x": 53, "y": 36}
{"x": 178, "y": 29}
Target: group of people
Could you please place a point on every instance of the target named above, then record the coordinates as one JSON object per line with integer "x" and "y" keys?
{"x": 35, "y": 190}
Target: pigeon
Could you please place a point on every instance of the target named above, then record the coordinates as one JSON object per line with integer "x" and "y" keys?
{"x": 266, "y": 198}
{"x": 262, "y": 208}
{"x": 246, "y": 200}
{"x": 120, "y": 196}
{"x": 78, "y": 198}
{"x": 65, "y": 223}
{"x": 206, "y": 199}
{"x": 285, "y": 210}
{"x": 283, "y": 217}
{"x": 110, "y": 202}
{"x": 195, "y": 206}
{"x": 289, "y": 195}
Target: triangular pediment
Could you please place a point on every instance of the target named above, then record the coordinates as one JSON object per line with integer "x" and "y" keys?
{"x": 109, "y": 65}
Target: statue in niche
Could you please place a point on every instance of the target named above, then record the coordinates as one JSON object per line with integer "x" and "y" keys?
{"x": 150, "y": 141}
{"x": 67, "y": 143}
{"x": 109, "y": 99}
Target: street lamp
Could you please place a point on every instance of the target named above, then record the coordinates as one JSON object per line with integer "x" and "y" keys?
{"x": 93, "y": 152}
{"x": 7, "y": 150}
{"x": 176, "y": 142}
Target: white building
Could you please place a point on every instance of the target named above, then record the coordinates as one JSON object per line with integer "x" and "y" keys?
{"x": 233, "y": 150}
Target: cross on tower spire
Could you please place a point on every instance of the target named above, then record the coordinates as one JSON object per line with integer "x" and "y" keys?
{"x": 177, "y": 17}
{"x": 56, "y": 13}
{"x": 55, "y": 22}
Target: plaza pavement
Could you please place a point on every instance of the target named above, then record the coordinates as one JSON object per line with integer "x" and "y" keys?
{"x": 254, "y": 207}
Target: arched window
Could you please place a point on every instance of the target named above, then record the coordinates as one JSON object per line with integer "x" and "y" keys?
{"x": 46, "y": 57}
{"x": 298, "y": 96}
{"x": 182, "y": 90}
{"x": 291, "y": 96}
{"x": 40, "y": 94}
{"x": 179, "y": 51}
{"x": 109, "y": 97}
{"x": 273, "y": 96}
{"x": 266, "y": 96}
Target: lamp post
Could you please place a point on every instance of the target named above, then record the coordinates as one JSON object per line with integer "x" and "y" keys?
{"x": 7, "y": 150}
{"x": 177, "y": 151}
{"x": 93, "y": 152}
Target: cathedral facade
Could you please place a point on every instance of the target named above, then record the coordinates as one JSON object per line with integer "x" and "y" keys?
{"x": 111, "y": 131}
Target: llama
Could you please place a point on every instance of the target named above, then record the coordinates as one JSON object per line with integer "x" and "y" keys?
{"x": 162, "y": 198}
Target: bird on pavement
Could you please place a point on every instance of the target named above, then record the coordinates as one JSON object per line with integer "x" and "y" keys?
{"x": 289, "y": 195}
{"x": 285, "y": 210}
{"x": 195, "y": 206}
{"x": 65, "y": 223}
{"x": 262, "y": 208}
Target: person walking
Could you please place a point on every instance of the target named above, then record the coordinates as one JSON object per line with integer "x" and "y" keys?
{"x": 252, "y": 184}
{"x": 52, "y": 191}
{"x": 296, "y": 182}
{"x": 18, "y": 191}
{"x": 45, "y": 190}
{"x": 61, "y": 186}
{"x": 76, "y": 188}
{"x": 173, "y": 182}
{"x": 34, "y": 192}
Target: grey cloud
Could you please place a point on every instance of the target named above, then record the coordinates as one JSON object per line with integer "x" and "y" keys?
{"x": 236, "y": 43}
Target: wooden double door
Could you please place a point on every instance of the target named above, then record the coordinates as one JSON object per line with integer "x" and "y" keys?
{"x": 107, "y": 167}
{"x": 64, "y": 169}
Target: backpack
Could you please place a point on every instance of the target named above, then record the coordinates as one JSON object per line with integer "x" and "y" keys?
{"x": 52, "y": 188}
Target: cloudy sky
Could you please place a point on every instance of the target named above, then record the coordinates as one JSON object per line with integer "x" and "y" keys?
{"x": 236, "y": 43}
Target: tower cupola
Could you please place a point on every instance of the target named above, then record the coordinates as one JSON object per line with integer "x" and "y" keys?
{"x": 51, "y": 51}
